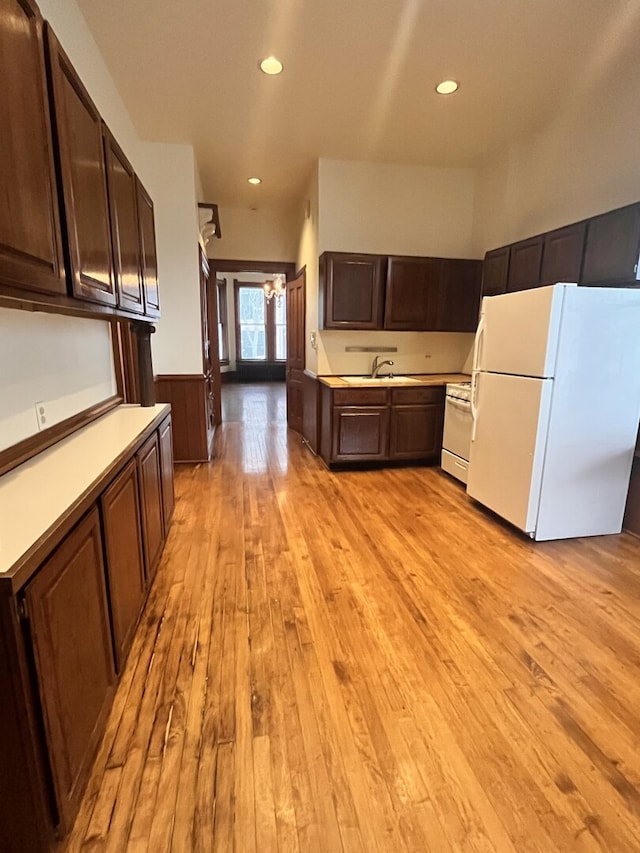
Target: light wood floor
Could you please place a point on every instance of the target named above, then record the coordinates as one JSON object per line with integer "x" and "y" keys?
{"x": 366, "y": 661}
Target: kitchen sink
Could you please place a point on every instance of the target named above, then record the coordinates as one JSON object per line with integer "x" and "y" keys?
{"x": 380, "y": 380}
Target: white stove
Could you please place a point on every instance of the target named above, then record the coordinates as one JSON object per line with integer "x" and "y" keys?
{"x": 456, "y": 439}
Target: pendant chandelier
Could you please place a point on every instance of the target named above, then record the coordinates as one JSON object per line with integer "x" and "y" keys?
{"x": 275, "y": 286}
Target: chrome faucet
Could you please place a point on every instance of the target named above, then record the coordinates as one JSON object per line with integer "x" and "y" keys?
{"x": 375, "y": 367}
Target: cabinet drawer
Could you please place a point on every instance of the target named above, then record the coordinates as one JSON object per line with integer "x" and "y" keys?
{"x": 411, "y": 396}
{"x": 360, "y": 397}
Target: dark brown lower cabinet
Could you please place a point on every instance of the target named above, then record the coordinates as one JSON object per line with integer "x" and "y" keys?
{"x": 381, "y": 424}
{"x": 151, "y": 503}
{"x": 360, "y": 434}
{"x": 60, "y": 628}
{"x": 125, "y": 563}
{"x": 68, "y": 625}
{"x": 165, "y": 437}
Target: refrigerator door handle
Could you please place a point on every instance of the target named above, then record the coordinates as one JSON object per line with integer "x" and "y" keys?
{"x": 475, "y": 382}
{"x": 477, "y": 345}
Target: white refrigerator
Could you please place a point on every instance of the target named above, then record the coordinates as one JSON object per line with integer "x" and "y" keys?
{"x": 556, "y": 404}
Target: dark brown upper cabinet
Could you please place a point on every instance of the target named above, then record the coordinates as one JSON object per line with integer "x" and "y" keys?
{"x": 30, "y": 238}
{"x": 495, "y": 272}
{"x": 148, "y": 256}
{"x": 562, "y": 254}
{"x": 524, "y": 264}
{"x": 125, "y": 238}
{"x": 84, "y": 183}
{"x": 459, "y": 299}
{"x": 612, "y": 247}
{"x": 352, "y": 290}
{"x": 412, "y": 293}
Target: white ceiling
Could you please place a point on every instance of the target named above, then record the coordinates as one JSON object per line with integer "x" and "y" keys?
{"x": 358, "y": 82}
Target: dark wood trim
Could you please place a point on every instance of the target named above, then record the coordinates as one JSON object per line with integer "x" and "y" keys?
{"x": 222, "y": 265}
{"x": 57, "y": 303}
{"x": 223, "y": 318}
{"x": 117, "y": 348}
{"x": 143, "y": 332}
{"x": 215, "y": 215}
{"x": 29, "y": 447}
{"x": 188, "y": 395}
{"x": 179, "y": 377}
{"x": 30, "y": 561}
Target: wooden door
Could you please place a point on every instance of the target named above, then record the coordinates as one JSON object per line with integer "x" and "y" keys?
{"x": 459, "y": 295}
{"x": 612, "y": 247}
{"x": 562, "y": 254}
{"x": 495, "y": 271}
{"x": 524, "y": 264}
{"x": 69, "y": 625}
{"x": 412, "y": 292}
{"x": 84, "y": 182}
{"x": 296, "y": 306}
{"x": 30, "y": 238}
{"x": 351, "y": 291}
{"x": 151, "y": 503}
{"x": 125, "y": 561}
{"x": 165, "y": 435}
{"x": 148, "y": 254}
{"x": 121, "y": 182}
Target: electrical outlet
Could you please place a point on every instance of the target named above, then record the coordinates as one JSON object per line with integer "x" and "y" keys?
{"x": 41, "y": 415}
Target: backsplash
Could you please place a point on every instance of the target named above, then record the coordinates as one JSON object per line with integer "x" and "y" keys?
{"x": 447, "y": 352}
{"x": 64, "y": 362}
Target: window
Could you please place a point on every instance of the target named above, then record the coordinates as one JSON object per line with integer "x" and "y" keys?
{"x": 261, "y": 326}
{"x": 223, "y": 335}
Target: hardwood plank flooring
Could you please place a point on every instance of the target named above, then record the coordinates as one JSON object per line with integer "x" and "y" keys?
{"x": 367, "y": 661}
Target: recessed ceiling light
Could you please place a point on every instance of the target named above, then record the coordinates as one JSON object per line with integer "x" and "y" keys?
{"x": 271, "y": 65}
{"x": 447, "y": 87}
{"x": 255, "y": 180}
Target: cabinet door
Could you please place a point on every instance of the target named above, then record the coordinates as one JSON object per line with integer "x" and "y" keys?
{"x": 459, "y": 297}
{"x": 612, "y": 247}
{"x": 125, "y": 563}
{"x": 352, "y": 290}
{"x": 562, "y": 254}
{"x": 148, "y": 256}
{"x": 360, "y": 434}
{"x": 84, "y": 183}
{"x": 69, "y": 625}
{"x": 124, "y": 226}
{"x": 151, "y": 503}
{"x": 416, "y": 431}
{"x": 495, "y": 271}
{"x": 412, "y": 293}
{"x": 30, "y": 240}
{"x": 166, "y": 466}
{"x": 524, "y": 264}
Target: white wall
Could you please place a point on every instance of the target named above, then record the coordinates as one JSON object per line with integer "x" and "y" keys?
{"x": 307, "y": 257}
{"x": 384, "y": 209}
{"x": 418, "y": 352}
{"x": 389, "y": 209}
{"x": 64, "y": 362}
{"x": 176, "y": 346}
{"x": 582, "y": 163}
{"x": 255, "y": 235}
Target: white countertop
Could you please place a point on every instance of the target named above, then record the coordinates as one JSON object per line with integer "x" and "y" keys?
{"x": 35, "y": 495}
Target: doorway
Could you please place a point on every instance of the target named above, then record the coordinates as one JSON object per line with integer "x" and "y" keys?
{"x": 252, "y": 331}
